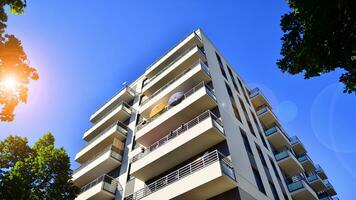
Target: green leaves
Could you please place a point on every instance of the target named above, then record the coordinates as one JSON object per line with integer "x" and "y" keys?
{"x": 319, "y": 37}
{"x": 13, "y": 62}
{"x": 40, "y": 172}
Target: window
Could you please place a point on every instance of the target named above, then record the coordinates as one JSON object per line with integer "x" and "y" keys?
{"x": 259, "y": 130}
{"x": 233, "y": 80}
{"x": 221, "y": 65}
{"x": 274, "y": 168}
{"x": 243, "y": 106}
{"x": 250, "y": 127}
{"x": 236, "y": 112}
{"x": 229, "y": 90}
{"x": 246, "y": 143}
{"x": 258, "y": 180}
{"x": 247, "y": 118}
{"x": 232, "y": 100}
{"x": 244, "y": 91}
{"x": 261, "y": 157}
{"x": 274, "y": 191}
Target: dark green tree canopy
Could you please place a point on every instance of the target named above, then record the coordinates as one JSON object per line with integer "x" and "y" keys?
{"x": 319, "y": 37}
{"x": 34, "y": 173}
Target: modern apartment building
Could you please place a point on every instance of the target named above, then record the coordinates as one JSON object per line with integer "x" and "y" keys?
{"x": 190, "y": 128}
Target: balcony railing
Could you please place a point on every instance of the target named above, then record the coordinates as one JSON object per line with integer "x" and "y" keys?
{"x": 115, "y": 153}
{"x": 182, "y": 129}
{"x": 264, "y": 110}
{"x": 205, "y": 68}
{"x": 121, "y": 127}
{"x": 303, "y": 158}
{"x": 254, "y": 92}
{"x": 124, "y": 105}
{"x": 283, "y": 154}
{"x": 294, "y": 140}
{"x": 312, "y": 177}
{"x": 274, "y": 129}
{"x": 328, "y": 184}
{"x": 171, "y": 63}
{"x": 295, "y": 186}
{"x": 185, "y": 171}
{"x": 173, "y": 48}
{"x": 128, "y": 88}
{"x": 185, "y": 96}
{"x": 110, "y": 184}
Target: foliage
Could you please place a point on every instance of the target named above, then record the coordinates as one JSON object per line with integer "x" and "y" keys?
{"x": 14, "y": 63}
{"x": 37, "y": 173}
{"x": 319, "y": 37}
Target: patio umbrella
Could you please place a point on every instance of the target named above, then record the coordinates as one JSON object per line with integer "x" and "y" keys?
{"x": 158, "y": 108}
{"x": 176, "y": 98}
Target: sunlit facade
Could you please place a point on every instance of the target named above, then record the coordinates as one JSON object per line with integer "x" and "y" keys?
{"x": 190, "y": 128}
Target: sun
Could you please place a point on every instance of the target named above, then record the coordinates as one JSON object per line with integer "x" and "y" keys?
{"x": 9, "y": 83}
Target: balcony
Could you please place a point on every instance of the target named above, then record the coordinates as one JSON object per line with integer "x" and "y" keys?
{"x": 267, "y": 117}
{"x": 329, "y": 188}
{"x": 325, "y": 196}
{"x": 258, "y": 99}
{"x": 307, "y": 163}
{"x": 288, "y": 163}
{"x": 277, "y": 138}
{"x": 193, "y": 102}
{"x": 120, "y": 112}
{"x": 321, "y": 173}
{"x": 191, "y": 40}
{"x": 207, "y": 176}
{"x": 191, "y": 138}
{"x": 124, "y": 95}
{"x": 300, "y": 190}
{"x": 103, "y": 188}
{"x": 297, "y": 146}
{"x": 101, "y": 163}
{"x": 176, "y": 67}
{"x": 316, "y": 182}
{"x": 189, "y": 78}
{"x": 116, "y": 132}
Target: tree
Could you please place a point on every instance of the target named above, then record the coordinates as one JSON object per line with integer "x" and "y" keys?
{"x": 34, "y": 173}
{"x": 319, "y": 37}
{"x": 15, "y": 71}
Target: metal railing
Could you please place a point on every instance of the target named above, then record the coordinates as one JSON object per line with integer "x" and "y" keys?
{"x": 254, "y": 92}
{"x": 319, "y": 169}
{"x": 125, "y": 107}
{"x": 294, "y": 140}
{"x": 296, "y": 185}
{"x": 328, "y": 184}
{"x": 187, "y": 94}
{"x": 313, "y": 177}
{"x": 195, "y": 34}
{"x": 200, "y": 163}
{"x": 182, "y": 129}
{"x": 120, "y": 127}
{"x": 128, "y": 88}
{"x": 110, "y": 186}
{"x": 275, "y": 129}
{"x": 172, "y": 63}
{"x": 286, "y": 152}
{"x": 304, "y": 158}
{"x": 205, "y": 68}
{"x": 115, "y": 153}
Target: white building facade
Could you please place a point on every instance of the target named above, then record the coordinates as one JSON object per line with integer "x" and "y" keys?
{"x": 190, "y": 128}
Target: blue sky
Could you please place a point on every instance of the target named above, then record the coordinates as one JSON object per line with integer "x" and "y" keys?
{"x": 84, "y": 51}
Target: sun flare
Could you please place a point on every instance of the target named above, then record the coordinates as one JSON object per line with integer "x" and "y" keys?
{"x": 9, "y": 83}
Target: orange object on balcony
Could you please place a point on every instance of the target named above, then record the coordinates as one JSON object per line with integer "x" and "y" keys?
{"x": 158, "y": 108}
